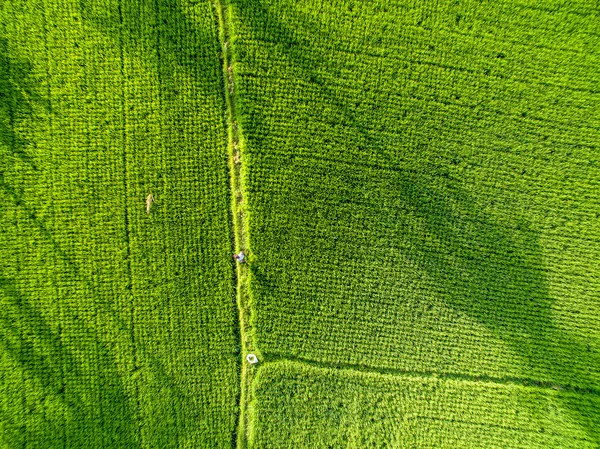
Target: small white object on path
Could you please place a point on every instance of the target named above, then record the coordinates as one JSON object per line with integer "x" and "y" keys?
{"x": 252, "y": 359}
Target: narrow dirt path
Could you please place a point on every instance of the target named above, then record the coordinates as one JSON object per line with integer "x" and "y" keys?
{"x": 239, "y": 223}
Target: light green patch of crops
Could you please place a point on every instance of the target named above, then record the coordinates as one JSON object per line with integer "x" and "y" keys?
{"x": 423, "y": 184}
{"x": 300, "y": 406}
{"x": 118, "y": 325}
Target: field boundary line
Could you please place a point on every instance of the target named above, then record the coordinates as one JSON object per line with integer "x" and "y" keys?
{"x": 239, "y": 224}
{"x": 393, "y": 372}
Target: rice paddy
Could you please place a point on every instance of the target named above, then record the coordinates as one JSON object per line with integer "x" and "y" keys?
{"x": 415, "y": 188}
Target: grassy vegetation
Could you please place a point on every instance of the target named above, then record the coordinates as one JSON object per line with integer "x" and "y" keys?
{"x": 423, "y": 188}
{"x": 416, "y": 185}
{"x": 118, "y": 326}
{"x": 343, "y": 408}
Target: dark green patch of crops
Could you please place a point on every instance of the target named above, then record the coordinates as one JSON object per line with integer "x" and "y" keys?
{"x": 118, "y": 323}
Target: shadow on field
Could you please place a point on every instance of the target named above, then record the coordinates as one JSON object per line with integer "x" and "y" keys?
{"x": 491, "y": 272}
{"x": 52, "y": 389}
{"x": 168, "y": 39}
{"x": 17, "y": 97}
{"x": 85, "y": 392}
{"x": 55, "y": 396}
{"x": 86, "y": 382}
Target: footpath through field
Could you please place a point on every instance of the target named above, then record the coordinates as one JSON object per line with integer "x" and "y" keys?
{"x": 239, "y": 214}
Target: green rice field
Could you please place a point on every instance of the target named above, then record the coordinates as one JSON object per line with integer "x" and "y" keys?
{"x": 415, "y": 186}
{"x": 119, "y": 326}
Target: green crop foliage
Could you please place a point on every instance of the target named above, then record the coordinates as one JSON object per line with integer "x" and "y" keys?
{"x": 300, "y": 406}
{"x": 118, "y": 326}
{"x": 423, "y": 184}
{"x": 416, "y": 186}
